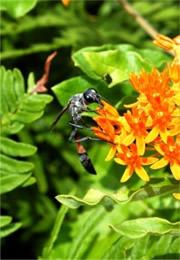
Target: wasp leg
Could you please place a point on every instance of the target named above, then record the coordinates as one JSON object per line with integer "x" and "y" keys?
{"x": 73, "y": 133}
{"x": 79, "y": 126}
{"x": 85, "y": 139}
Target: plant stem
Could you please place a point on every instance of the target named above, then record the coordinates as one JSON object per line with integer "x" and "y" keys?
{"x": 140, "y": 20}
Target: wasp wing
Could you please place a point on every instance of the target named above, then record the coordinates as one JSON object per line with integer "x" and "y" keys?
{"x": 59, "y": 116}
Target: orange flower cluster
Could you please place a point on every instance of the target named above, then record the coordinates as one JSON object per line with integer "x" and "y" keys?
{"x": 152, "y": 123}
{"x": 65, "y": 2}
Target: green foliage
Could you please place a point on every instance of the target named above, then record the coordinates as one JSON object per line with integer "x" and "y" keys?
{"x": 18, "y": 108}
{"x": 98, "y": 218}
{"x": 116, "y": 60}
{"x": 141, "y": 227}
{"x": 17, "y": 8}
{"x": 7, "y": 227}
{"x": 94, "y": 197}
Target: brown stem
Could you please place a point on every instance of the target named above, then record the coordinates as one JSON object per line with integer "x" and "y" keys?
{"x": 140, "y": 20}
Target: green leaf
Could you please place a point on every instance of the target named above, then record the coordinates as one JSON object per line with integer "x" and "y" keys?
{"x": 31, "y": 82}
{"x": 18, "y": 83}
{"x": 36, "y": 102}
{"x": 175, "y": 245}
{"x": 17, "y": 8}
{"x": 155, "y": 58}
{"x": 118, "y": 249}
{"x": 13, "y": 165}
{"x": 88, "y": 226}
{"x": 27, "y": 117}
{"x": 3, "y": 103}
{"x": 14, "y": 148}
{"x": 142, "y": 226}
{"x": 116, "y": 60}
{"x": 7, "y": 230}
{"x": 94, "y": 197}
{"x": 5, "y": 220}
{"x": 163, "y": 244}
{"x": 9, "y": 92}
{"x": 10, "y": 181}
{"x": 12, "y": 128}
{"x": 141, "y": 248}
{"x": 19, "y": 108}
{"x": 117, "y": 64}
{"x": 56, "y": 230}
{"x": 29, "y": 182}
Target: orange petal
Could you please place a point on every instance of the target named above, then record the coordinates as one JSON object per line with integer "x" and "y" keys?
{"x": 142, "y": 173}
{"x": 152, "y": 135}
{"x": 175, "y": 168}
{"x": 110, "y": 109}
{"x": 176, "y": 196}
{"x": 160, "y": 164}
{"x": 98, "y": 133}
{"x": 164, "y": 42}
{"x": 127, "y": 174}
{"x": 65, "y": 2}
{"x": 111, "y": 153}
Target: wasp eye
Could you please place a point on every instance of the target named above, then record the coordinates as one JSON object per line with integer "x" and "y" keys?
{"x": 90, "y": 95}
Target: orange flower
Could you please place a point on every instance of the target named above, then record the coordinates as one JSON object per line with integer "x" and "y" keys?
{"x": 129, "y": 156}
{"x": 111, "y": 127}
{"x": 167, "y": 43}
{"x": 164, "y": 42}
{"x": 154, "y": 119}
{"x": 109, "y": 123}
{"x": 137, "y": 122}
{"x": 162, "y": 119}
{"x": 171, "y": 155}
{"x": 155, "y": 84}
{"x": 65, "y": 2}
{"x": 174, "y": 72}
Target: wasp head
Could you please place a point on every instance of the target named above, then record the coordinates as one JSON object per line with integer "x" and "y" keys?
{"x": 91, "y": 96}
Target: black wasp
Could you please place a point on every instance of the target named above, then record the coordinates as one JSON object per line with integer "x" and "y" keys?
{"x": 76, "y": 105}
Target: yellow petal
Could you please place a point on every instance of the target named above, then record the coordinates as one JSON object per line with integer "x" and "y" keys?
{"x": 160, "y": 164}
{"x": 149, "y": 160}
{"x": 140, "y": 143}
{"x": 142, "y": 173}
{"x": 164, "y": 136}
{"x": 118, "y": 160}
{"x": 176, "y": 196}
{"x": 158, "y": 148}
{"x": 129, "y": 139}
{"x": 131, "y": 105}
{"x": 175, "y": 130}
{"x": 111, "y": 153}
{"x": 126, "y": 175}
{"x": 152, "y": 135}
{"x": 175, "y": 168}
